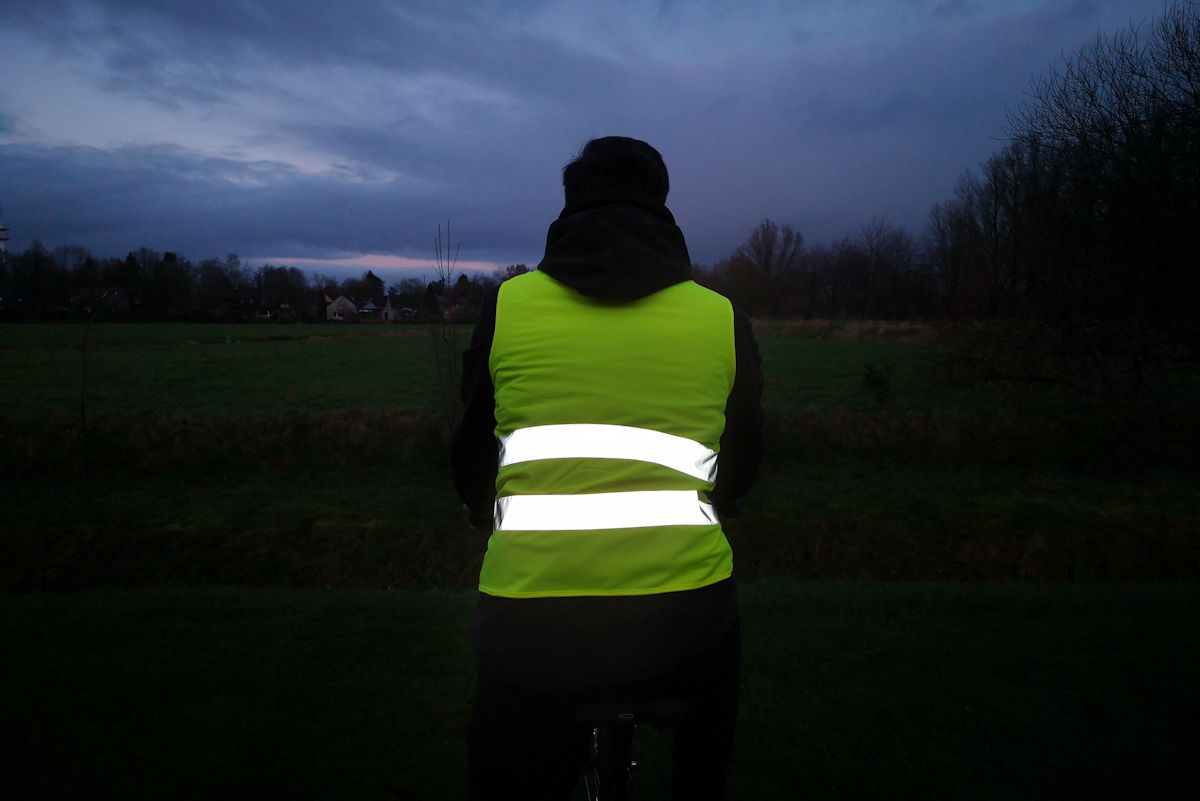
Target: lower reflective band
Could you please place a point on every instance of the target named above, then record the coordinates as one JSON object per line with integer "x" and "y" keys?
{"x": 597, "y": 441}
{"x": 602, "y": 510}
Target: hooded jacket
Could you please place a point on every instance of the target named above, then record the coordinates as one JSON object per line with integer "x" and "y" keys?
{"x": 615, "y": 249}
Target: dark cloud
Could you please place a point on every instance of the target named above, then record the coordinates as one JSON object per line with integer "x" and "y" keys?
{"x": 377, "y": 120}
{"x": 171, "y": 52}
{"x": 951, "y": 9}
{"x": 839, "y": 115}
{"x": 171, "y": 199}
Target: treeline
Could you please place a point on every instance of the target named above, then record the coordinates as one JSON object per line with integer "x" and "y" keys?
{"x": 880, "y": 273}
{"x": 1090, "y": 211}
{"x": 1082, "y": 229}
{"x": 68, "y": 282}
{"x": 1070, "y": 257}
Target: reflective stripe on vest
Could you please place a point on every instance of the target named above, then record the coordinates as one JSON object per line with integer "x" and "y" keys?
{"x": 603, "y": 510}
{"x": 596, "y": 441}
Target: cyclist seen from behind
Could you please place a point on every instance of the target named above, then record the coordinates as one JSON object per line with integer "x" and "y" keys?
{"x": 612, "y": 418}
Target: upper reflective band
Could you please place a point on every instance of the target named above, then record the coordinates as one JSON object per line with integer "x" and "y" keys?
{"x": 595, "y": 441}
{"x": 602, "y": 510}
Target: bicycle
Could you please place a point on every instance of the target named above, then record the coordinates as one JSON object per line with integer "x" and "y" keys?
{"x": 610, "y": 764}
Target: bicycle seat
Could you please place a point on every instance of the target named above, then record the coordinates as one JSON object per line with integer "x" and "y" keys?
{"x": 655, "y": 711}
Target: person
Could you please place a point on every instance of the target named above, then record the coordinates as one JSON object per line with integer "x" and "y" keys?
{"x": 612, "y": 417}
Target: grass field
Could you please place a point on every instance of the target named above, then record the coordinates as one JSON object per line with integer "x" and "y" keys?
{"x": 303, "y": 455}
{"x": 221, "y": 370}
{"x": 850, "y": 690}
{"x": 262, "y": 369}
{"x": 251, "y": 573}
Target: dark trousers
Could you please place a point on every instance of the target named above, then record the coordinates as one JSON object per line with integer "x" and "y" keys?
{"x": 523, "y": 743}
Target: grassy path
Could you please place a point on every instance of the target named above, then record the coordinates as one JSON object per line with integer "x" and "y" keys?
{"x": 850, "y": 690}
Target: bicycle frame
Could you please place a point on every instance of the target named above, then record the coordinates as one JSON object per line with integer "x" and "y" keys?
{"x": 609, "y": 774}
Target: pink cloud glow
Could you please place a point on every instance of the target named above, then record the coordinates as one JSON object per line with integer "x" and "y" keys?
{"x": 372, "y": 261}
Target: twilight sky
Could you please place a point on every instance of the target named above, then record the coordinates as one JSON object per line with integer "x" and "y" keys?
{"x": 324, "y": 134}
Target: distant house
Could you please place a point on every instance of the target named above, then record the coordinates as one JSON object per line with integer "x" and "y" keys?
{"x": 389, "y": 314}
{"x": 104, "y": 300}
{"x": 341, "y": 308}
{"x": 116, "y": 298}
{"x": 458, "y": 312}
{"x": 368, "y": 310}
{"x": 364, "y": 310}
{"x": 277, "y": 312}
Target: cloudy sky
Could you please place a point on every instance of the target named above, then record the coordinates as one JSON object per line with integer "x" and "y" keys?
{"x": 321, "y": 134}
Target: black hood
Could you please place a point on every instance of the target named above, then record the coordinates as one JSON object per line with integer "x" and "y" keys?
{"x": 616, "y": 249}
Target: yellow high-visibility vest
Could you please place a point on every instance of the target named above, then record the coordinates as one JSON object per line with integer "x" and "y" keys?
{"x": 609, "y": 417}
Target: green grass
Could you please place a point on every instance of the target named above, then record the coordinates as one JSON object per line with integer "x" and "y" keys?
{"x": 266, "y": 564}
{"x": 850, "y": 690}
{"x": 221, "y": 370}
{"x": 251, "y": 369}
{"x": 310, "y": 455}
{"x": 208, "y": 694}
{"x": 808, "y": 373}
{"x": 891, "y": 521}
{"x": 397, "y": 524}
{"x": 333, "y": 526}
{"x": 969, "y": 691}
{"x": 238, "y": 370}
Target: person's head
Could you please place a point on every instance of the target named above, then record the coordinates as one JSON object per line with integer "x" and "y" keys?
{"x": 616, "y": 167}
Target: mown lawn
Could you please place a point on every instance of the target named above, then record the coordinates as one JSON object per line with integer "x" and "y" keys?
{"x": 850, "y": 690}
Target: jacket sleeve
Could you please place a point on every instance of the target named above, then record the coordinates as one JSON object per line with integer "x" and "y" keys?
{"x": 474, "y": 454}
{"x": 742, "y": 443}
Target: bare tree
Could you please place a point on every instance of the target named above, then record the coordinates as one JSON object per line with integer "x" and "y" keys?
{"x": 760, "y": 274}
{"x": 1084, "y": 224}
{"x": 446, "y": 343}
{"x": 772, "y": 251}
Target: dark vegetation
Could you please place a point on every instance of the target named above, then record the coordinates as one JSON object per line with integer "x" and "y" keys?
{"x": 68, "y": 283}
{"x": 850, "y": 690}
{"x": 1069, "y": 259}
